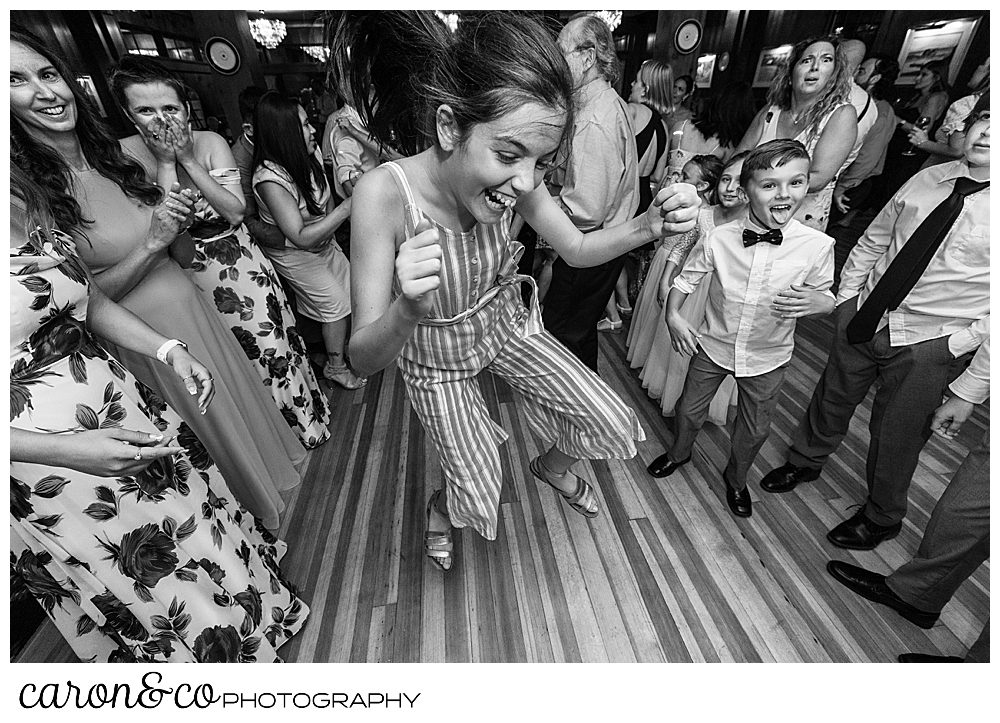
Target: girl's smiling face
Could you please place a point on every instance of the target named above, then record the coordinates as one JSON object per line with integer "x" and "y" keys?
{"x": 728, "y": 189}
{"x": 500, "y": 160}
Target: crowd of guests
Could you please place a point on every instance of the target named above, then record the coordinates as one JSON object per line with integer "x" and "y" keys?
{"x": 163, "y": 397}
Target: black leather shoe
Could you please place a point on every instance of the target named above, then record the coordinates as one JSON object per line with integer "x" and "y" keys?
{"x": 871, "y": 586}
{"x": 860, "y": 533}
{"x": 663, "y": 467}
{"x": 738, "y": 500}
{"x": 924, "y": 658}
{"x": 786, "y": 477}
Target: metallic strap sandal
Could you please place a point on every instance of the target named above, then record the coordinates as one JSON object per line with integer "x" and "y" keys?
{"x": 583, "y": 499}
{"x": 438, "y": 546}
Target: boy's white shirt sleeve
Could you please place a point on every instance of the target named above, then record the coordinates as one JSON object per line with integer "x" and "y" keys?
{"x": 820, "y": 275}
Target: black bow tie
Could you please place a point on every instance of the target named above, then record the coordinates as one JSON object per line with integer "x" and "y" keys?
{"x": 772, "y": 236}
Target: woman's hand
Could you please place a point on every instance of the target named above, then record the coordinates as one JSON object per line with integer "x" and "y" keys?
{"x": 169, "y": 218}
{"x": 181, "y": 139}
{"x": 674, "y": 210}
{"x": 683, "y": 337}
{"x": 113, "y": 452}
{"x": 157, "y": 140}
{"x": 418, "y": 268}
{"x": 918, "y": 136}
{"x": 194, "y": 375}
{"x": 797, "y": 301}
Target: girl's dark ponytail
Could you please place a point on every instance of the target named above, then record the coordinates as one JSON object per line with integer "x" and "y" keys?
{"x": 388, "y": 53}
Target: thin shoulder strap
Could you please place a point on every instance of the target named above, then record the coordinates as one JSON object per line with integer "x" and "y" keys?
{"x": 404, "y": 185}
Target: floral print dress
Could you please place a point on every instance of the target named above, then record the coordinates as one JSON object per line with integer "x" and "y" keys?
{"x": 238, "y": 279}
{"x": 162, "y": 566}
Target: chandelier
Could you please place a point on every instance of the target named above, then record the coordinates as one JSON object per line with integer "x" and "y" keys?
{"x": 449, "y": 19}
{"x": 612, "y": 17}
{"x": 267, "y": 32}
{"x": 319, "y": 52}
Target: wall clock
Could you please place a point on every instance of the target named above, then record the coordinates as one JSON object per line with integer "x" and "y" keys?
{"x": 688, "y": 36}
{"x": 222, "y": 55}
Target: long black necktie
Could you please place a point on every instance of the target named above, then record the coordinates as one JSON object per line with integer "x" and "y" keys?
{"x": 911, "y": 262}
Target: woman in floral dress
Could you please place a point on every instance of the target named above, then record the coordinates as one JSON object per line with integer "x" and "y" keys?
{"x": 230, "y": 270}
{"x": 131, "y": 542}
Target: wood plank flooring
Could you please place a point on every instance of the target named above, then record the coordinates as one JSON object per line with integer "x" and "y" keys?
{"x": 665, "y": 573}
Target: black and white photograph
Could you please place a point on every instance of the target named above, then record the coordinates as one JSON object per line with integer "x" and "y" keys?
{"x": 498, "y": 336}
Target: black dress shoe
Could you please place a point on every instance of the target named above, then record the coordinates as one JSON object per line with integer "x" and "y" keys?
{"x": 786, "y": 477}
{"x": 872, "y": 586}
{"x": 663, "y": 467}
{"x": 924, "y": 658}
{"x": 738, "y": 500}
{"x": 860, "y": 533}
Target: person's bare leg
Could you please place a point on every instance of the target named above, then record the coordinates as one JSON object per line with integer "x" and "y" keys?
{"x": 336, "y": 369}
{"x": 556, "y": 465}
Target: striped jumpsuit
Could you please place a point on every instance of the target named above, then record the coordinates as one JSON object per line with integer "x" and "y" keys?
{"x": 479, "y": 322}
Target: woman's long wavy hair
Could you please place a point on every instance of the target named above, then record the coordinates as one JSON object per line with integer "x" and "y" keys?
{"x": 838, "y": 92}
{"x": 277, "y": 138}
{"x": 495, "y": 63}
{"x": 50, "y": 171}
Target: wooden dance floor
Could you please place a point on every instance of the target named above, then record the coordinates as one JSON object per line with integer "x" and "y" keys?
{"x": 665, "y": 573}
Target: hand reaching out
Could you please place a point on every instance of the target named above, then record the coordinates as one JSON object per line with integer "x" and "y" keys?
{"x": 797, "y": 301}
{"x": 114, "y": 452}
{"x": 674, "y": 209}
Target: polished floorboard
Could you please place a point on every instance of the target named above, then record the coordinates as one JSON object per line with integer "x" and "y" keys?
{"x": 665, "y": 573}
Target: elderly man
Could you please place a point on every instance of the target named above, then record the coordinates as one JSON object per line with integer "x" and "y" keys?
{"x": 913, "y": 306}
{"x": 596, "y": 181}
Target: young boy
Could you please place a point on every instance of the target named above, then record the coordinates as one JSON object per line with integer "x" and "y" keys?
{"x": 766, "y": 271}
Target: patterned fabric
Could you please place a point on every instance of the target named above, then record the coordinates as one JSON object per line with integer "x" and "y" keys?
{"x": 664, "y": 370}
{"x": 162, "y": 566}
{"x": 815, "y": 209}
{"x": 237, "y": 279}
{"x": 479, "y": 322}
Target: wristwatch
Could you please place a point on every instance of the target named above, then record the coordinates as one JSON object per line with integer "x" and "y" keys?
{"x": 162, "y": 352}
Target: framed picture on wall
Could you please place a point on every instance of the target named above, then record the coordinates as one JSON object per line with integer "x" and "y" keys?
{"x": 705, "y": 70}
{"x": 770, "y": 61}
{"x": 946, "y": 40}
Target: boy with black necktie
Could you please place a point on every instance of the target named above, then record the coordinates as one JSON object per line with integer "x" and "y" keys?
{"x": 912, "y": 308}
{"x": 765, "y": 271}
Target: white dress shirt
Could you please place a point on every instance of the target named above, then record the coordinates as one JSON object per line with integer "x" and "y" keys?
{"x": 952, "y": 297}
{"x": 973, "y": 385}
{"x": 741, "y": 331}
